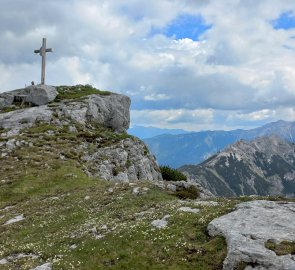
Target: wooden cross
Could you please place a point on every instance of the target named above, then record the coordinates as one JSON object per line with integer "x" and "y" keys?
{"x": 42, "y": 53}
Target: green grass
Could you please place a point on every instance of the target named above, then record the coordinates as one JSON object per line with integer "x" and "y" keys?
{"x": 282, "y": 248}
{"x": 77, "y": 92}
{"x": 8, "y": 109}
{"x": 62, "y": 206}
{"x": 58, "y": 216}
{"x": 51, "y": 193}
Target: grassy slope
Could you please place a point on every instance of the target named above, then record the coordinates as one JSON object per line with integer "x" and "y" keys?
{"x": 51, "y": 192}
{"x": 58, "y": 216}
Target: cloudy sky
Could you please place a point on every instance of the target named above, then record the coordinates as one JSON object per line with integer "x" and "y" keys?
{"x": 191, "y": 64}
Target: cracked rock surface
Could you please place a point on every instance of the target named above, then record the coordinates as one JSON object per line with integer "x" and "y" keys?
{"x": 249, "y": 227}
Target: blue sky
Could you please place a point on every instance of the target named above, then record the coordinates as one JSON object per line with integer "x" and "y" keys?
{"x": 194, "y": 65}
{"x": 184, "y": 26}
{"x": 285, "y": 21}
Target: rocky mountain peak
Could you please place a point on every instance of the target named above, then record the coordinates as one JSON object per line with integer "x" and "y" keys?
{"x": 196, "y": 147}
{"x": 264, "y": 166}
{"x": 268, "y": 145}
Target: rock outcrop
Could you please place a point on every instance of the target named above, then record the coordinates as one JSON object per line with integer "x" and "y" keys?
{"x": 14, "y": 121}
{"x": 250, "y": 227}
{"x": 34, "y": 94}
{"x": 108, "y": 110}
{"x": 98, "y": 122}
{"x": 111, "y": 111}
{"x": 127, "y": 160}
{"x": 39, "y": 94}
{"x": 264, "y": 166}
{"x": 6, "y": 100}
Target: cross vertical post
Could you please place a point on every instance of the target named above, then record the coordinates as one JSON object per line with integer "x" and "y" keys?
{"x": 42, "y": 51}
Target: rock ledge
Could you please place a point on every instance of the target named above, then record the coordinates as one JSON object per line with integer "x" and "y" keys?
{"x": 248, "y": 229}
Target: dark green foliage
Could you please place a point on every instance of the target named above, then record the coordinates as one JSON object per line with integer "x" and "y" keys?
{"x": 188, "y": 193}
{"x": 170, "y": 174}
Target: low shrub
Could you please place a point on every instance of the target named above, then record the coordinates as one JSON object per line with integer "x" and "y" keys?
{"x": 170, "y": 174}
{"x": 188, "y": 193}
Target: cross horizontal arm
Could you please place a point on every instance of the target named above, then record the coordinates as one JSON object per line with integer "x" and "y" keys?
{"x": 49, "y": 50}
{"x": 37, "y": 51}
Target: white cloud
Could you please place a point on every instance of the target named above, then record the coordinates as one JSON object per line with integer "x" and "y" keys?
{"x": 253, "y": 116}
{"x": 190, "y": 119}
{"x": 156, "y": 97}
{"x": 241, "y": 66}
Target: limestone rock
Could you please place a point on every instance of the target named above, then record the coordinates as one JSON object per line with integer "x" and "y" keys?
{"x": 23, "y": 118}
{"x": 160, "y": 223}
{"x": 34, "y": 94}
{"x": 248, "y": 229}
{"x": 40, "y": 94}
{"x": 15, "y": 219}
{"x": 206, "y": 203}
{"x": 125, "y": 161}
{"x": 46, "y": 266}
{"x": 110, "y": 110}
{"x": 107, "y": 110}
{"x": 189, "y": 210}
{"x": 74, "y": 110}
{"x": 107, "y": 155}
{"x": 5, "y": 100}
{"x": 3, "y": 261}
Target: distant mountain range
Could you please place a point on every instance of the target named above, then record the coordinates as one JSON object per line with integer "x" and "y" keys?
{"x": 264, "y": 166}
{"x": 195, "y": 147}
{"x": 148, "y": 132}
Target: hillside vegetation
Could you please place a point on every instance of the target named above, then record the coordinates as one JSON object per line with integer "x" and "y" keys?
{"x": 55, "y": 209}
{"x": 80, "y": 222}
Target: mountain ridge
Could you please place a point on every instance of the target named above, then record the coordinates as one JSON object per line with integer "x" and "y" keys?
{"x": 264, "y": 166}
{"x": 195, "y": 147}
{"x": 143, "y": 132}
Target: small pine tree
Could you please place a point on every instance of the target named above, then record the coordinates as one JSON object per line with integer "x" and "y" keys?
{"x": 170, "y": 174}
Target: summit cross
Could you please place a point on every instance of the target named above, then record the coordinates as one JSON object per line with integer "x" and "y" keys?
{"x": 42, "y": 51}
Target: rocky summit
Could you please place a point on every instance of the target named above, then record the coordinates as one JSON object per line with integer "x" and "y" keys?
{"x": 78, "y": 192}
{"x": 88, "y": 123}
{"x": 264, "y": 166}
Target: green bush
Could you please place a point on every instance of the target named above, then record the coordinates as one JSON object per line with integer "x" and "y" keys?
{"x": 188, "y": 193}
{"x": 170, "y": 174}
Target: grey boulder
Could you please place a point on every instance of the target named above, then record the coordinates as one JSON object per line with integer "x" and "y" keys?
{"x": 127, "y": 160}
{"x": 17, "y": 120}
{"x": 39, "y": 94}
{"x": 248, "y": 229}
{"x": 110, "y": 110}
{"x": 46, "y": 266}
{"x": 6, "y": 100}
